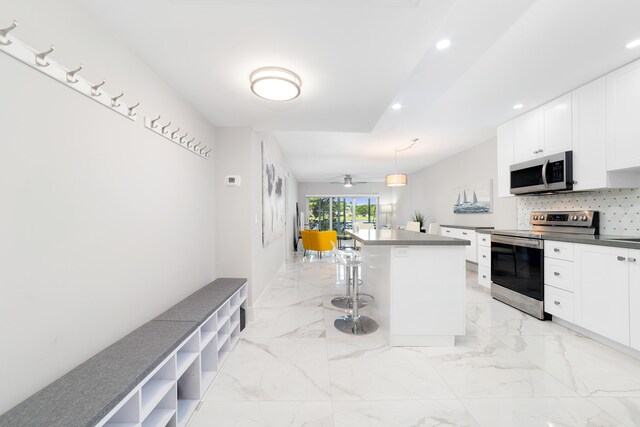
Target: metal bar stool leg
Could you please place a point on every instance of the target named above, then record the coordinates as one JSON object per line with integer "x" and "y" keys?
{"x": 355, "y": 324}
{"x": 346, "y": 301}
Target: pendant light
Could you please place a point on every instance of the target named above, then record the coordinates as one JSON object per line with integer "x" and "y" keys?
{"x": 399, "y": 179}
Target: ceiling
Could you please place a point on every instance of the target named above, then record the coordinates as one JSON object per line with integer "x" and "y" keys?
{"x": 357, "y": 57}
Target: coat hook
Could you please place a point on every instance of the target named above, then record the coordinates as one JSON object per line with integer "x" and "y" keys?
{"x": 197, "y": 145}
{"x": 203, "y": 149}
{"x": 207, "y": 153}
{"x": 174, "y": 133}
{"x": 114, "y": 100}
{"x": 95, "y": 90}
{"x": 3, "y": 33}
{"x": 71, "y": 75}
{"x": 153, "y": 122}
{"x": 41, "y": 57}
{"x": 183, "y": 137}
{"x": 133, "y": 107}
{"x": 190, "y": 141}
{"x": 164, "y": 130}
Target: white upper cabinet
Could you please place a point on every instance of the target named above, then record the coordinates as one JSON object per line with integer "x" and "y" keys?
{"x": 556, "y": 126}
{"x": 623, "y": 117}
{"x": 505, "y": 158}
{"x": 543, "y": 131}
{"x": 589, "y": 135}
{"x": 526, "y": 136}
{"x": 634, "y": 297}
{"x": 601, "y": 277}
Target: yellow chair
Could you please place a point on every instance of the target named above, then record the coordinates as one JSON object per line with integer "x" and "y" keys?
{"x": 319, "y": 241}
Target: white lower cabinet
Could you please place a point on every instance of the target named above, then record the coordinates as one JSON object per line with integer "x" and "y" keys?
{"x": 558, "y": 303}
{"x": 601, "y": 302}
{"x": 464, "y": 234}
{"x": 634, "y": 297}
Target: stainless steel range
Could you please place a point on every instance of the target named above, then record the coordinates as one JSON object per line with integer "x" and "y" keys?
{"x": 517, "y": 257}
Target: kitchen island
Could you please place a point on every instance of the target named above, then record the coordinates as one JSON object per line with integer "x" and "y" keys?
{"x": 418, "y": 282}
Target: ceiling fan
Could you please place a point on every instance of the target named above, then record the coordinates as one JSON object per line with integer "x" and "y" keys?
{"x": 348, "y": 181}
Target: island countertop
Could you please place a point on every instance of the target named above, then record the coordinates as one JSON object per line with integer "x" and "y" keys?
{"x": 404, "y": 237}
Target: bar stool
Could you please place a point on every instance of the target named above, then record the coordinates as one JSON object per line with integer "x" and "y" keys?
{"x": 354, "y": 323}
{"x": 347, "y": 261}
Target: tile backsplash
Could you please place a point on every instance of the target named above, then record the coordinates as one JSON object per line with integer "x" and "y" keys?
{"x": 619, "y": 208}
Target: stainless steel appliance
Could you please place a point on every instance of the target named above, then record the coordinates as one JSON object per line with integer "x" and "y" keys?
{"x": 544, "y": 174}
{"x": 517, "y": 257}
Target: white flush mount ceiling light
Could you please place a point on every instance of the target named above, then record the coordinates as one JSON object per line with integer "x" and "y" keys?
{"x": 443, "y": 44}
{"x": 275, "y": 83}
{"x": 632, "y": 44}
{"x": 397, "y": 106}
{"x": 518, "y": 106}
{"x": 399, "y": 179}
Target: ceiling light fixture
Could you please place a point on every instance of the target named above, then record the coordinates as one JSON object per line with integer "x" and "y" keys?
{"x": 348, "y": 183}
{"x": 275, "y": 83}
{"x": 632, "y": 44}
{"x": 399, "y": 179}
{"x": 396, "y": 106}
{"x": 518, "y": 106}
{"x": 443, "y": 44}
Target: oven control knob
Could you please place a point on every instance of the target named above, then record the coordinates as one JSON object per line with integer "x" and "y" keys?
{"x": 584, "y": 217}
{"x": 575, "y": 217}
{"x": 535, "y": 217}
{"x": 542, "y": 217}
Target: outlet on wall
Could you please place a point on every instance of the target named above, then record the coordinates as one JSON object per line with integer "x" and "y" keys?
{"x": 402, "y": 251}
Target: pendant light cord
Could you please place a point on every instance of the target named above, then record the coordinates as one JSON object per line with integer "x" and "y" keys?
{"x": 413, "y": 142}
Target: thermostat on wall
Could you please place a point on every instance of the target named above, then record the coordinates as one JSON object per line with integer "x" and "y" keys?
{"x": 232, "y": 180}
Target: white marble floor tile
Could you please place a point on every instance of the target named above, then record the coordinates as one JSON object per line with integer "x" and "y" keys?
{"x": 374, "y": 371}
{"x": 274, "y": 370}
{"x": 484, "y": 367}
{"x": 263, "y": 414}
{"x": 625, "y": 409}
{"x": 545, "y": 412}
{"x": 290, "y": 297}
{"x": 499, "y": 319}
{"x": 586, "y": 366}
{"x": 286, "y": 322}
{"x": 401, "y": 413}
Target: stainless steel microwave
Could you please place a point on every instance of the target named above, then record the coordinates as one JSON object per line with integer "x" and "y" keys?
{"x": 544, "y": 174}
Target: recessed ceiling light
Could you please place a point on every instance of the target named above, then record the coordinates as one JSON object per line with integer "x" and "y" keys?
{"x": 396, "y": 106}
{"x": 518, "y": 106}
{"x": 275, "y": 84}
{"x": 443, "y": 44}
{"x": 633, "y": 44}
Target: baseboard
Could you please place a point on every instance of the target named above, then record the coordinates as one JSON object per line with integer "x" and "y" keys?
{"x": 472, "y": 266}
{"x": 250, "y": 308}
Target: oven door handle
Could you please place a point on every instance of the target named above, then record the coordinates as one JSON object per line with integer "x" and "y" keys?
{"x": 518, "y": 241}
{"x": 544, "y": 173}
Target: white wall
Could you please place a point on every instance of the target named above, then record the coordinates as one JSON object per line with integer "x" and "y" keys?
{"x": 431, "y": 190}
{"x": 239, "y": 222}
{"x": 103, "y": 224}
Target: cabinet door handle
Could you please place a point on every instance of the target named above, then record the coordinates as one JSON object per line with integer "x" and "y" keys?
{"x": 464, "y": 233}
{"x": 631, "y": 259}
{"x": 484, "y": 276}
{"x": 556, "y": 302}
{"x": 556, "y": 250}
{"x": 484, "y": 256}
{"x": 621, "y": 258}
{"x": 448, "y": 231}
{"x": 555, "y": 273}
{"x": 540, "y": 150}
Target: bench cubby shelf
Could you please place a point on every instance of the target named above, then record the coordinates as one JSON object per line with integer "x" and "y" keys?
{"x": 170, "y": 394}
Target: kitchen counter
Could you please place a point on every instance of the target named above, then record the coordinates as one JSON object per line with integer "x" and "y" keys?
{"x": 601, "y": 240}
{"x": 404, "y": 237}
{"x": 484, "y": 230}
{"x": 418, "y": 282}
{"x": 466, "y": 227}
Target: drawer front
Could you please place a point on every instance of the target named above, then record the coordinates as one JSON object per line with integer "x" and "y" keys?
{"x": 484, "y": 256}
{"x": 446, "y": 232}
{"x": 558, "y": 303}
{"x": 484, "y": 276}
{"x": 484, "y": 239}
{"x": 466, "y": 234}
{"x": 558, "y": 273}
{"x": 558, "y": 250}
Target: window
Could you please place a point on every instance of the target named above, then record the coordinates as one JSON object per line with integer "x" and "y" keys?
{"x": 340, "y": 213}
